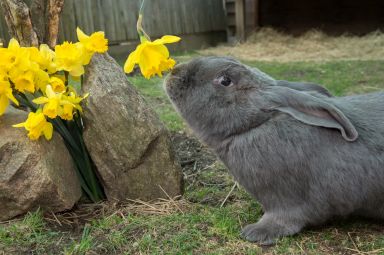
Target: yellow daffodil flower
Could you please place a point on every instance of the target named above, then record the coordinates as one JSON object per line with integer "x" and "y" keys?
{"x": 68, "y": 109}
{"x": 70, "y": 57}
{"x": 53, "y": 103}
{"x": 152, "y": 57}
{"x": 67, "y": 113}
{"x": 37, "y": 125}
{"x": 43, "y": 56}
{"x": 30, "y": 79}
{"x": 5, "y": 95}
{"x": 15, "y": 57}
{"x": 57, "y": 84}
{"x": 23, "y": 81}
{"x": 47, "y": 59}
{"x": 96, "y": 42}
{"x": 41, "y": 79}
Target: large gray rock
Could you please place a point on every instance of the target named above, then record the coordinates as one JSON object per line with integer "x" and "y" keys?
{"x": 33, "y": 173}
{"x": 126, "y": 140}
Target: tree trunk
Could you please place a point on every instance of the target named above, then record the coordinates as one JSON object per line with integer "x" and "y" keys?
{"x": 35, "y": 25}
{"x": 19, "y": 22}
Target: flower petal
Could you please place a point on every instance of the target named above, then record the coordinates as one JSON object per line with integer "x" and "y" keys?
{"x": 40, "y": 100}
{"x": 77, "y": 71}
{"x": 11, "y": 97}
{"x": 19, "y": 125}
{"x": 132, "y": 60}
{"x": 167, "y": 39}
{"x": 13, "y": 44}
{"x": 48, "y": 130}
{"x": 80, "y": 35}
{"x": 49, "y": 91}
{"x": 4, "y": 102}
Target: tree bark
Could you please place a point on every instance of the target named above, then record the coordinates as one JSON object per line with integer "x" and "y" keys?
{"x": 55, "y": 8}
{"x": 35, "y": 25}
{"x": 39, "y": 16}
{"x": 19, "y": 22}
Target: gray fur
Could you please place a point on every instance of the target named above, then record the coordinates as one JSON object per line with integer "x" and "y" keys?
{"x": 304, "y": 86}
{"x": 305, "y": 156}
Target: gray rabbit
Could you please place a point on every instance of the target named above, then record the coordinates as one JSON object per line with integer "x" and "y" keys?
{"x": 304, "y": 155}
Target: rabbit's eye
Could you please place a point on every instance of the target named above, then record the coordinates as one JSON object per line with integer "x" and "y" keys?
{"x": 225, "y": 81}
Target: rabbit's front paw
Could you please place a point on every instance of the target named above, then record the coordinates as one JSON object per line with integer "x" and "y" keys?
{"x": 262, "y": 234}
{"x": 267, "y": 231}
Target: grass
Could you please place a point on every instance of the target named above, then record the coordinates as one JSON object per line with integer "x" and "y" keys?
{"x": 152, "y": 90}
{"x": 196, "y": 224}
{"x": 340, "y": 77}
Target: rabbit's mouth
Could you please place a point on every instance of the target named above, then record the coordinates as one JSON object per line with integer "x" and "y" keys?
{"x": 172, "y": 85}
{"x": 170, "y": 82}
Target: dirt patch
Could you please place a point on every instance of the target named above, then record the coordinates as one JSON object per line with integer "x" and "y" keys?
{"x": 270, "y": 45}
{"x": 191, "y": 153}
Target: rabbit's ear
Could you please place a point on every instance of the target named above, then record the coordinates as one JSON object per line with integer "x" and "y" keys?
{"x": 311, "y": 110}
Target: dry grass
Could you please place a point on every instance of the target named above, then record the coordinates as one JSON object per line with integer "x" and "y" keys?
{"x": 270, "y": 45}
{"x": 85, "y": 213}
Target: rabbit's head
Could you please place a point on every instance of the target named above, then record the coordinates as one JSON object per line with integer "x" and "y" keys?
{"x": 220, "y": 97}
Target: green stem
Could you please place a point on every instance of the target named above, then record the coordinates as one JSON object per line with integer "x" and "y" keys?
{"x": 72, "y": 135}
{"x": 80, "y": 175}
{"x": 93, "y": 180}
{"x": 143, "y": 36}
{"x": 59, "y": 126}
{"x": 24, "y": 101}
{"x": 66, "y": 74}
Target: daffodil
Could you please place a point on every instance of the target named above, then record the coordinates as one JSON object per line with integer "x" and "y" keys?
{"x": 37, "y": 126}
{"x": 43, "y": 56}
{"x": 68, "y": 109}
{"x": 53, "y": 102}
{"x": 152, "y": 57}
{"x": 41, "y": 79}
{"x": 57, "y": 84}
{"x": 70, "y": 58}
{"x": 15, "y": 57}
{"x": 5, "y": 95}
{"x": 67, "y": 113}
{"x": 96, "y": 42}
{"x": 23, "y": 81}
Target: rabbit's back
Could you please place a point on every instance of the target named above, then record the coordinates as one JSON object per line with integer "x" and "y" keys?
{"x": 366, "y": 112}
{"x": 286, "y": 160}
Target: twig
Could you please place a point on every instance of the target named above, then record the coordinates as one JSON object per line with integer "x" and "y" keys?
{"x": 377, "y": 251}
{"x": 171, "y": 199}
{"x": 143, "y": 203}
{"x": 213, "y": 184}
{"x": 230, "y": 192}
{"x": 300, "y": 247}
{"x": 354, "y": 244}
{"x": 57, "y": 220}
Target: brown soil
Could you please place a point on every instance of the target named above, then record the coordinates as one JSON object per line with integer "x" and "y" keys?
{"x": 191, "y": 153}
